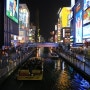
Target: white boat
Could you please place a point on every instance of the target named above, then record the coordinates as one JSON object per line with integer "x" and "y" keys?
{"x": 54, "y": 56}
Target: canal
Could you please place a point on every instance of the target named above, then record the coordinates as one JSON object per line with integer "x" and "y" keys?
{"x": 57, "y": 75}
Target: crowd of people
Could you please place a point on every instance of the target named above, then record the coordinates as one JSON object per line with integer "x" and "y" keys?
{"x": 12, "y": 56}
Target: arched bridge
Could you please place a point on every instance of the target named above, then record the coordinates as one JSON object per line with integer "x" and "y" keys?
{"x": 43, "y": 44}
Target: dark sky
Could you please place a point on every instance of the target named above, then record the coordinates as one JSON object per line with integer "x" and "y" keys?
{"x": 47, "y": 13}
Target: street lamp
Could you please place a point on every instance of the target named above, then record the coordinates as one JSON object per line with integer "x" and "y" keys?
{"x": 38, "y": 35}
{"x": 38, "y": 32}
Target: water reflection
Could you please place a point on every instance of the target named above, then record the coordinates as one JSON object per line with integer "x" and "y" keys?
{"x": 68, "y": 78}
{"x": 57, "y": 64}
{"x": 79, "y": 83}
{"x": 63, "y": 65}
{"x": 63, "y": 82}
{"x": 60, "y": 76}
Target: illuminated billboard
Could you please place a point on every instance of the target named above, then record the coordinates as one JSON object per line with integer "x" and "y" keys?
{"x": 23, "y": 16}
{"x": 86, "y": 4}
{"x": 78, "y": 25}
{"x": 86, "y": 16}
{"x": 86, "y": 31}
{"x": 86, "y": 19}
{"x": 12, "y": 9}
{"x": 64, "y": 14}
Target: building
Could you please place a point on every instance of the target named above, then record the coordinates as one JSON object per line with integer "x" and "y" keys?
{"x": 24, "y": 23}
{"x": 9, "y": 22}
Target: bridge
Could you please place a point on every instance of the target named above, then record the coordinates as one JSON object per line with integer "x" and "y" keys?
{"x": 43, "y": 44}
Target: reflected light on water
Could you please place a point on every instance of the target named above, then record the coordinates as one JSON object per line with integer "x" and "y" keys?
{"x": 57, "y": 64}
{"x": 63, "y": 65}
{"x": 63, "y": 82}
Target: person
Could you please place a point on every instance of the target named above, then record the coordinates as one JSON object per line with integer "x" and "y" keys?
{"x": 30, "y": 65}
{"x": 85, "y": 51}
{"x": 14, "y": 8}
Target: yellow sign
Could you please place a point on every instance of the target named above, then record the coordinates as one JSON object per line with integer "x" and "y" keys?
{"x": 64, "y": 15}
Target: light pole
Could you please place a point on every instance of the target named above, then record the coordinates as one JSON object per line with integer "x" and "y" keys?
{"x": 38, "y": 35}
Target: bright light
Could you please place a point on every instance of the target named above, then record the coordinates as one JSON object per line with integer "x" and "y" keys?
{"x": 19, "y": 38}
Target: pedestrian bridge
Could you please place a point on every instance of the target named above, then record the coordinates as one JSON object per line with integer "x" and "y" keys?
{"x": 43, "y": 44}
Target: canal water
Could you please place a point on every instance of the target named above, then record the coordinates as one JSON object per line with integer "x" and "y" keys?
{"x": 63, "y": 77}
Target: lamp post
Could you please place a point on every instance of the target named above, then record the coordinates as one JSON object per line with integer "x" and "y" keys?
{"x": 38, "y": 32}
{"x": 38, "y": 35}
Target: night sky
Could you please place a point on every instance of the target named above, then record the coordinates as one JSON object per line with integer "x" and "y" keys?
{"x": 47, "y": 13}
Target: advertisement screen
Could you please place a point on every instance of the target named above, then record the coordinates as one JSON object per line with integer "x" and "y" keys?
{"x": 86, "y": 16}
{"x": 78, "y": 25}
{"x": 12, "y": 9}
{"x": 86, "y": 31}
{"x": 23, "y": 18}
{"x": 86, "y": 4}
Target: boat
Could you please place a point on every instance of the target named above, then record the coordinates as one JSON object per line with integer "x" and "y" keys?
{"x": 32, "y": 69}
{"x": 54, "y": 56}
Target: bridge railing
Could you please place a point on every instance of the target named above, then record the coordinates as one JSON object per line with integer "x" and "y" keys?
{"x": 43, "y": 44}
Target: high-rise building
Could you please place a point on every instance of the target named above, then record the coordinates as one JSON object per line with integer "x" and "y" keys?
{"x": 24, "y": 23}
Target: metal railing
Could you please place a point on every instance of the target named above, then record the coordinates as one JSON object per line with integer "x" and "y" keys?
{"x": 78, "y": 61}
